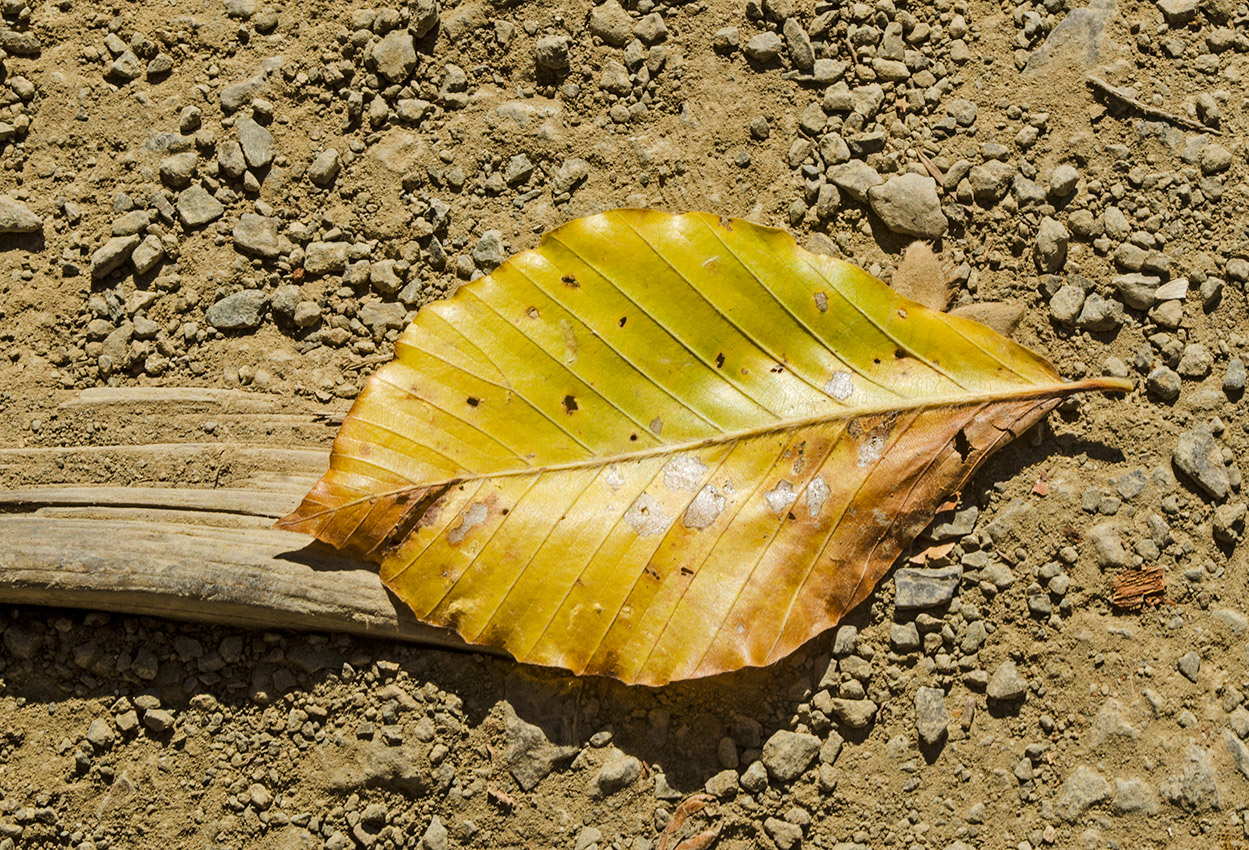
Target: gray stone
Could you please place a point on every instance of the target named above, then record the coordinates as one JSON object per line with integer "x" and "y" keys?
{"x": 1189, "y": 664}
{"x": 931, "y": 719}
{"x": 1178, "y": 12}
{"x": 1108, "y": 546}
{"x": 1196, "y": 788}
{"x": 611, "y": 23}
{"x": 1163, "y": 383}
{"x": 856, "y": 178}
{"x": 1195, "y": 362}
{"x": 1238, "y": 751}
{"x": 158, "y": 720}
{"x": 324, "y": 167}
{"x": 1214, "y": 159}
{"x": 126, "y": 67}
{"x": 963, "y": 112}
{"x": 571, "y": 173}
{"x": 197, "y": 208}
{"x": 423, "y": 16}
{"x": 551, "y": 52}
{"x": 990, "y": 181}
{"x": 110, "y": 256}
{"x": 786, "y": 835}
{"x": 787, "y": 755}
{"x": 529, "y": 756}
{"x": 1199, "y": 456}
{"x": 257, "y": 235}
{"x": 16, "y": 217}
{"x": 1111, "y": 726}
{"x": 147, "y": 254}
{"x": 176, "y": 170}
{"x": 100, "y": 733}
{"x": 651, "y": 29}
{"x": 135, "y": 221}
{"x": 1051, "y": 245}
{"x": 846, "y": 640}
{"x": 1138, "y": 291}
{"x": 256, "y": 142}
{"x": 764, "y": 48}
{"x": 382, "y": 317}
{"x": 1100, "y": 314}
{"x": 926, "y": 588}
{"x": 322, "y": 258}
{"x": 22, "y": 644}
{"x": 615, "y": 78}
{"x": 1229, "y": 522}
{"x": 755, "y": 777}
{"x": 831, "y": 748}
{"x": 1134, "y": 795}
{"x": 722, "y": 785}
{"x": 489, "y": 253}
{"x": 230, "y": 159}
{"x": 801, "y": 53}
{"x": 908, "y": 204}
{"x": 855, "y": 713}
{"x": 1083, "y": 789}
{"x": 242, "y": 311}
{"x": 1064, "y": 180}
{"x": 519, "y": 169}
{"x": 411, "y": 109}
{"x": 384, "y": 279}
{"x": 1006, "y": 685}
{"x": 435, "y": 835}
{"x": 1066, "y": 304}
{"x": 617, "y": 773}
{"x": 904, "y": 637}
{"x": 395, "y": 56}
{"x": 1234, "y": 378}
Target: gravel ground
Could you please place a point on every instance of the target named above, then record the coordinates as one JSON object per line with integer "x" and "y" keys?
{"x": 259, "y": 196}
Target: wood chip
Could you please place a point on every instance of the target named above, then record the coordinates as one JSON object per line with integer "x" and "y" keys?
{"x": 1133, "y": 589}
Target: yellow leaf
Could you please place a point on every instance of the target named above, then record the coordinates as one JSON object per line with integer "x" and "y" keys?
{"x": 665, "y": 446}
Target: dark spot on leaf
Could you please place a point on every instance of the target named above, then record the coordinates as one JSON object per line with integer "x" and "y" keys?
{"x": 532, "y": 312}
{"x": 570, "y": 281}
{"x": 720, "y": 360}
{"x": 686, "y": 571}
{"x": 652, "y": 572}
{"x": 962, "y": 445}
{"x": 633, "y": 436}
{"x": 473, "y": 402}
{"x": 570, "y": 404}
{"x": 790, "y": 516}
{"x": 726, "y": 223}
{"x": 623, "y": 319}
{"x": 899, "y": 354}
{"x": 876, "y": 360}
{"x": 504, "y": 512}
{"x": 777, "y": 368}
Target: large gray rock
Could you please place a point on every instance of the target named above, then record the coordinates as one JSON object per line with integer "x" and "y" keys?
{"x": 529, "y": 756}
{"x": 1050, "y": 250}
{"x": 856, "y": 178}
{"x": 197, "y": 208}
{"x": 395, "y": 56}
{"x": 324, "y": 167}
{"x": 16, "y": 217}
{"x": 926, "y": 588}
{"x": 424, "y": 17}
{"x": 1199, "y": 456}
{"x": 1083, "y": 789}
{"x": 611, "y": 23}
{"x": 256, "y": 141}
{"x": 257, "y": 235}
{"x": 1006, "y": 685}
{"x": 931, "y": 719}
{"x": 787, "y": 754}
{"x": 112, "y": 254}
{"x": 325, "y": 257}
{"x": 242, "y": 311}
{"x": 908, "y": 204}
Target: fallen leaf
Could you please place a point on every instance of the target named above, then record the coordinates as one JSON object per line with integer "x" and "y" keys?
{"x": 932, "y": 552}
{"x": 1042, "y": 486}
{"x": 662, "y": 446}
{"x": 687, "y": 807}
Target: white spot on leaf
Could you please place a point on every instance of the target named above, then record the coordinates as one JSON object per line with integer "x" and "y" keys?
{"x": 869, "y": 452}
{"x": 707, "y": 505}
{"x": 684, "y": 472}
{"x": 880, "y": 516}
{"x": 647, "y": 516}
{"x": 780, "y": 497}
{"x": 656, "y": 426}
{"x": 821, "y": 302}
{"x": 817, "y": 494}
{"x": 840, "y": 386}
{"x": 474, "y": 515}
{"x": 614, "y": 478}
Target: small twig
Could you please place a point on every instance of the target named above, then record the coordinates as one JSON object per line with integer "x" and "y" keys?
{"x": 932, "y": 169}
{"x": 1123, "y": 97}
{"x": 854, "y": 57}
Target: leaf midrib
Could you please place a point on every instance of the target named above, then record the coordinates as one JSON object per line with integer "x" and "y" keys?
{"x": 1041, "y": 391}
